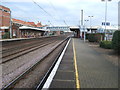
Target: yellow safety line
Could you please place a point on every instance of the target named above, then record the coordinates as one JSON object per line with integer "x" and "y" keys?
{"x": 76, "y": 69}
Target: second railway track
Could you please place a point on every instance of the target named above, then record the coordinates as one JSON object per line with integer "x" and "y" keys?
{"x": 25, "y": 49}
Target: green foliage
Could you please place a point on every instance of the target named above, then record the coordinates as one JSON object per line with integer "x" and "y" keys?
{"x": 91, "y": 38}
{"x": 116, "y": 41}
{"x": 87, "y": 35}
{"x": 95, "y": 37}
{"x": 106, "y": 44}
{"x": 6, "y": 35}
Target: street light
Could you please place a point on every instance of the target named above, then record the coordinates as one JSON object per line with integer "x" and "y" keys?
{"x": 90, "y": 22}
{"x": 84, "y": 29}
{"x": 105, "y": 16}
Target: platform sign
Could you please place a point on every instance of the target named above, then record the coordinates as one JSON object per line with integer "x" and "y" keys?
{"x": 107, "y": 23}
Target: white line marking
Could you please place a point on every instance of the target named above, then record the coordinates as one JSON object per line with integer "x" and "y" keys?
{"x": 52, "y": 74}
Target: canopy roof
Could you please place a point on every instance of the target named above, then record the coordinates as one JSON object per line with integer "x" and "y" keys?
{"x": 31, "y": 28}
{"x": 4, "y": 27}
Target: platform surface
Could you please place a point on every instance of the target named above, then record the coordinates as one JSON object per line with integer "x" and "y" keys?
{"x": 94, "y": 70}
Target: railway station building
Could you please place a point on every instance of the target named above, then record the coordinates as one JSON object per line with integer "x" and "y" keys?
{"x": 76, "y": 31}
{"x": 5, "y": 16}
{"x": 18, "y": 27}
{"x": 31, "y": 32}
{"x": 58, "y": 30}
{"x": 23, "y": 29}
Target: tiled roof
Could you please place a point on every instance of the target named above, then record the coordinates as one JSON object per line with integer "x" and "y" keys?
{"x": 21, "y": 22}
{"x": 39, "y": 24}
{"x": 27, "y": 23}
{"x": 3, "y": 7}
{"x": 32, "y": 23}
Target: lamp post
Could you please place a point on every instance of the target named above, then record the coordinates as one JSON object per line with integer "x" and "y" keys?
{"x": 84, "y": 29}
{"x": 90, "y": 22}
{"x": 105, "y": 17}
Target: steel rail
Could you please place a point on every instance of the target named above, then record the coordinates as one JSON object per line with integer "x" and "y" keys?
{"x": 21, "y": 53}
{"x": 14, "y": 81}
{"x": 42, "y": 82}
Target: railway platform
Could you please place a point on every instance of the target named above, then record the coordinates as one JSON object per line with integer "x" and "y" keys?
{"x": 83, "y": 67}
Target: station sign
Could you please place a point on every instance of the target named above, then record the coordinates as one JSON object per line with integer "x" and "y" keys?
{"x": 107, "y": 23}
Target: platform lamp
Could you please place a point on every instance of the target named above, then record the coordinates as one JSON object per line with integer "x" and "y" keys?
{"x": 84, "y": 29}
{"x": 105, "y": 16}
{"x": 90, "y": 21}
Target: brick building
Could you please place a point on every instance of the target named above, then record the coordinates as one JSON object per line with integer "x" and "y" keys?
{"x": 22, "y": 29}
{"x": 4, "y": 20}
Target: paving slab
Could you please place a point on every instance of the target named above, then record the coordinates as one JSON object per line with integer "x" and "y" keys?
{"x": 95, "y": 71}
{"x": 65, "y": 75}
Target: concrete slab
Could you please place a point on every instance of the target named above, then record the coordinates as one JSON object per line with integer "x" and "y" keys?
{"x": 63, "y": 84}
{"x": 94, "y": 70}
{"x": 65, "y": 76}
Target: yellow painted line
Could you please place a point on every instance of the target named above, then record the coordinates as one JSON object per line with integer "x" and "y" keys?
{"x": 76, "y": 69}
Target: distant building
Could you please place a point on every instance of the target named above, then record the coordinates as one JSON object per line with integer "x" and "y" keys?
{"x": 109, "y": 29}
{"x": 58, "y": 30}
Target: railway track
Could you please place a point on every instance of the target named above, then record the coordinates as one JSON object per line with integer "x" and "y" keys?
{"x": 21, "y": 76}
{"x": 20, "y": 44}
{"x": 25, "y": 49}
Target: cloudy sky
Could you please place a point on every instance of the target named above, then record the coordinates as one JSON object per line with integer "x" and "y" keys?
{"x": 63, "y": 12}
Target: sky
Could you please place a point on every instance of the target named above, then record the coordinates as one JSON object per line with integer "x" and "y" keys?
{"x": 63, "y": 12}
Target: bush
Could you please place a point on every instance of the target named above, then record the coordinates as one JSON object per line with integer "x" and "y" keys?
{"x": 106, "y": 44}
{"x": 95, "y": 37}
{"x": 91, "y": 38}
{"x": 87, "y": 35}
{"x": 116, "y": 41}
{"x": 6, "y": 35}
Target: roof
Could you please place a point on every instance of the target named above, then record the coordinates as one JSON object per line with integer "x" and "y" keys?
{"x": 103, "y": 27}
{"x": 32, "y": 23}
{"x": 3, "y": 7}
{"x": 4, "y": 27}
{"x": 39, "y": 24}
{"x": 22, "y": 22}
{"x": 31, "y": 28}
{"x": 110, "y": 27}
{"x": 74, "y": 27}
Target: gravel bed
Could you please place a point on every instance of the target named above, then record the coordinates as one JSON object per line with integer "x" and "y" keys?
{"x": 33, "y": 78}
{"x": 13, "y": 68}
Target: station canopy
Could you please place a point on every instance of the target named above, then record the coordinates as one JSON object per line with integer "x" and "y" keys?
{"x": 4, "y": 27}
{"x": 74, "y": 28}
{"x": 31, "y": 28}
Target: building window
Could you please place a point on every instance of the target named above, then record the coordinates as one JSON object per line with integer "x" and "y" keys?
{"x": 1, "y": 9}
{"x": 6, "y": 30}
{"x": 6, "y": 11}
